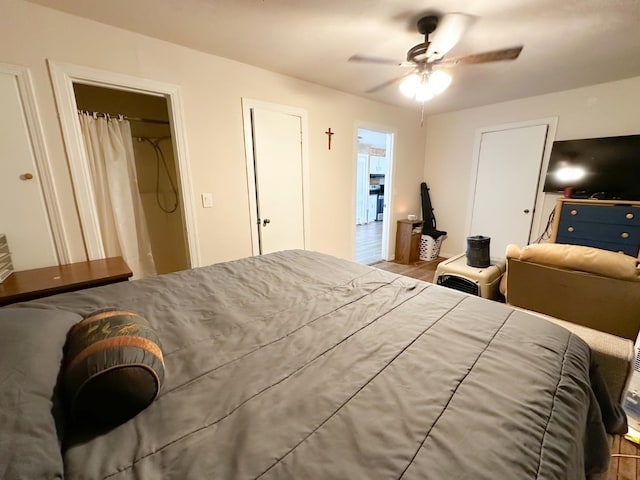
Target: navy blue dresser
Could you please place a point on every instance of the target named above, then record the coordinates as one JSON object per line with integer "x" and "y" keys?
{"x": 608, "y": 224}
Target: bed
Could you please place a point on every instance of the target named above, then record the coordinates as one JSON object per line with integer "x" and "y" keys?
{"x": 300, "y": 365}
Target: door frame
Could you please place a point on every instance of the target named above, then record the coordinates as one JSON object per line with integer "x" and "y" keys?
{"x": 391, "y": 133}
{"x": 41, "y": 156}
{"x": 247, "y": 105}
{"x": 538, "y": 215}
{"x": 63, "y": 76}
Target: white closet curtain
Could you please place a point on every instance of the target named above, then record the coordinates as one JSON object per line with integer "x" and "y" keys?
{"x": 123, "y": 225}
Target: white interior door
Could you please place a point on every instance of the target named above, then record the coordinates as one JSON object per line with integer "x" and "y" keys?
{"x": 277, "y": 139}
{"x": 509, "y": 164}
{"x": 23, "y": 214}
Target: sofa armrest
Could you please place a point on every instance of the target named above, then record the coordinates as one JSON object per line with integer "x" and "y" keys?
{"x": 613, "y": 355}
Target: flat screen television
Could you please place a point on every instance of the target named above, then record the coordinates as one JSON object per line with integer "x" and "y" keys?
{"x": 605, "y": 168}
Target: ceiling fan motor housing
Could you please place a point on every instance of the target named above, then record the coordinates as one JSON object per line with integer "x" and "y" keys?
{"x": 428, "y": 24}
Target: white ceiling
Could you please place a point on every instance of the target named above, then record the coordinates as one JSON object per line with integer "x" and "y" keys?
{"x": 567, "y": 43}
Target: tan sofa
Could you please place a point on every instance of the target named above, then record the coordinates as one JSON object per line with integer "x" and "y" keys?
{"x": 601, "y": 306}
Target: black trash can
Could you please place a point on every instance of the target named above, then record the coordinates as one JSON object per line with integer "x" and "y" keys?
{"x": 478, "y": 251}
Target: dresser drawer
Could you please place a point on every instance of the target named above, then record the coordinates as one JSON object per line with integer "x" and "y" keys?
{"x": 625, "y": 234}
{"x": 609, "y": 214}
{"x": 628, "y": 249}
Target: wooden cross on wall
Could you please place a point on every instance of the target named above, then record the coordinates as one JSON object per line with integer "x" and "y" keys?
{"x": 329, "y": 135}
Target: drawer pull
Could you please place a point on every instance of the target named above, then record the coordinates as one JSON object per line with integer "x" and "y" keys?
{"x": 574, "y": 212}
{"x": 570, "y": 229}
{"x": 629, "y": 216}
{"x": 624, "y": 235}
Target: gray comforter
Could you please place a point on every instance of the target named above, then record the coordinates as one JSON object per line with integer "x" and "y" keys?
{"x": 302, "y": 366}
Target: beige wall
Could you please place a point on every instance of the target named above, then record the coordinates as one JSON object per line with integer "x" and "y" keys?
{"x": 607, "y": 109}
{"x": 212, "y": 88}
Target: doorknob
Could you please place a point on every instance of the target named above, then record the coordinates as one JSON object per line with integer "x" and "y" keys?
{"x": 265, "y": 221}
{"x": 26, "y": 176}
{"x": 526, "y": 210}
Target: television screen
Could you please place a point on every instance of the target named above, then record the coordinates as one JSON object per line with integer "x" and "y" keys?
{"x": 607, "y": 168}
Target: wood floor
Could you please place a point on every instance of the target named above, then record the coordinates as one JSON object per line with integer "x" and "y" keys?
{"x": 421, "y": 269}
{"x": 369, "y": 243}
{"x": 621, "y": 468}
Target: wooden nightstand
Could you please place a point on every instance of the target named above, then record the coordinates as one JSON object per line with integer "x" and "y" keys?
{"x": 407, "y": 242}
{"x": 42, "y": 282}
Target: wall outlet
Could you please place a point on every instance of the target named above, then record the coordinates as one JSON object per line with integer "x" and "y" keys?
{"x": 207, "y": 200}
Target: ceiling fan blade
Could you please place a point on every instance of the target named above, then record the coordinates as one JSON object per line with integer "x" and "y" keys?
{"x": 388, "y": 83}
{"x": 450, "y": 29}
{"x": 378, "y": 60}
{"x": 485, "y": 57}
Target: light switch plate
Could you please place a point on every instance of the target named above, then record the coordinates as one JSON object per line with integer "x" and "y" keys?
{"x": 207, "y": 200}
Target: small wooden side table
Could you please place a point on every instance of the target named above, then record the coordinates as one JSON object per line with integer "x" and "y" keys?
{"x": 41, "y": 282}
{"x": 407, "y": 242}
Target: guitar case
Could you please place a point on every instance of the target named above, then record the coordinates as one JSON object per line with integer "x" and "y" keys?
{"x": 428, "y": 218}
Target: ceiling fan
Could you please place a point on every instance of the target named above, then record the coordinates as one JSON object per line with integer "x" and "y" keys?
{"x": 441, "y": 34}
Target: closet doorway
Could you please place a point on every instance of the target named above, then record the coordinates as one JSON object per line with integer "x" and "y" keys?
{"x": 158, "y": 226}
{"x": 506, "y": 181}
{"x": 373, "y": 190}
{"x": 65, "y": 78}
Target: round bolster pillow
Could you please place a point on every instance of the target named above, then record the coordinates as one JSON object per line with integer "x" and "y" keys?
{"x": 113, "y": 367}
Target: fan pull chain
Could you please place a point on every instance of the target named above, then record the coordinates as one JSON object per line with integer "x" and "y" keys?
{"x": 422, "y": 115}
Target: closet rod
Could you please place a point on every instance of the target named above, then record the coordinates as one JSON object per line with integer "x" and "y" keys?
{"x": 124, "y": 117}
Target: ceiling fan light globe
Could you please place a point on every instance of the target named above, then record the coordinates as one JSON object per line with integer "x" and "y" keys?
{"x": 424, "y": 93}
{"x": 410, "y": 85}
{"x": 439, "y": 81}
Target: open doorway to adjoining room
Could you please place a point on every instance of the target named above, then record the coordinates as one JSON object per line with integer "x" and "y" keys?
{"x": 373, "y": 191}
